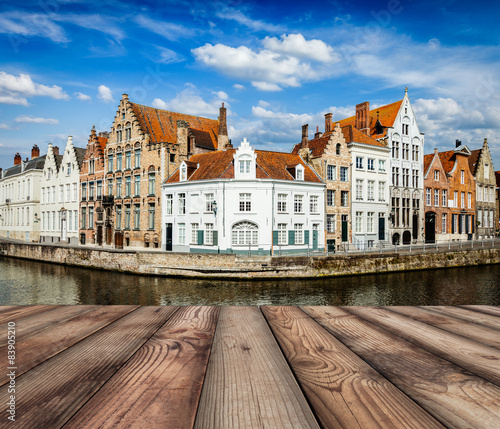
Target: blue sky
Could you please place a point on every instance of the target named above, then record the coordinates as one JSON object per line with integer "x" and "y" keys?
{"x": 64, "y": 65}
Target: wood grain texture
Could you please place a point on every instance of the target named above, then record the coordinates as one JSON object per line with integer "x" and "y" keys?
{"x": 342, "y": 389}
{"x": 475, "y": 357}
{"x": 494, "y": 310}
{"x": 162, "y": 382}
{"x": 455, "y": 397}
{"x": 38, "y": 322}
{"x": 53, "y": 391}
{"x": 448, "y": 322}
{"x": 248, "y": 383}
{"x": 488, "y": 320}
{"x": 18, "y": 312}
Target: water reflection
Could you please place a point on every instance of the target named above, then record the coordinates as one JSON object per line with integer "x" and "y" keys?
{"x": 27, "y": 282}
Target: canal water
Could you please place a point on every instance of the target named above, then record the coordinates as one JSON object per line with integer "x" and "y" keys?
{"x": 28, "y": 282}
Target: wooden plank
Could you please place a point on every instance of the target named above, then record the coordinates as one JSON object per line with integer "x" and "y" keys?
{"x": 55, "y": 390}
{"x": 342, "y": 389}
{"x": 465, "y": 328}
{"x": 452, "y": 395}
{"x": 475, "y": 357}
{"x": 38, "y": 322}
{"x": 40, "y": 346}
{"x": 248, "y": 383}
{"x": 465, "y": 314}
{"x": 18, "y": 312}
{"x": 488, "y": 309}
{"x": 161, "y": 382}
{"x": 7, "y": 308}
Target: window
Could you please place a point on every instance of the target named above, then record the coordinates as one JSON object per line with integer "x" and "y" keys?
{"x": 436, "y": 175}
{"x": 75, "y": 191}
{"x": 128, "y": 160}
{"x": 406, "y": 177}
{"x": 183, "y": 172}
{"x": 330, "y": 197}
{"x": 371, "y": 190}
{"x": 297, "y": 204}
{"x": 151, "y": 216}
{"x": 299, "y": 173}
{"x": 444, "y": 198}
{"x": 480, "y": 193}
{"x": 331, "y": 172}
{"x": 83, "y": 220}
{"x": 381, "y": 191}
{"x": 436, "y": 197}
{"x": 118, "y": 217}
{"x": 469, "y": 200}
{"x": 137, "y": 185}
{"x": 344, "y": 198}
{"x": 492, "y": 214}
{"x": 381, "y": 165}
{"x": 371, "y": 164}
{"x": 406, "y": 150}
{"x": 68, "y": 192}
{"x": 168, "y": 204}
{"x": 313, "y": 204}
{"x": 395, "y": 149}
{"x": 415, "y": 178}
{"x": 282, "y": 236}
{"x": 70, "y": 219}
{"x": 182, "y": 233}
{"x": 91, "y": 217}
{"x": 110, "y": 163}
{"x": 462, "y": 176}
{"x": 182, "y": 203}
{"x": 91, "y": 166}
{"x": 61, "y": 193}
{"x": 358, "y": 222}
{"x": 455, "y": 199}
{"x": 406, "y": 129}
{"x": 68, "y": 169}
{"x": 127, "y": 217}
{"x": 119, "y": 135}
{"x": 359, "y": 162}
{"x": 244, "y": 234}
{"x": 337, "y": 149}
{"x": 281, "y": 203}
{"x": 137, "y": 158}
{"x": 209, "y": 234}
{"x": 194, "y": 233}
{"x": 209, "y": 202}
{"x": 395, "y": 176}
{"x": 299, "y": 233}
{"x": 369, "y": 222}
{"x": 491, "y": 195}
{"x": 119, "y": 187}
{"x": 359, "y": 190}
{"x": 462, "y": 200}
{"x": 245, "y": 202}
{"x": 99, "y": 189}
{"x": 91, "y": 190}
{"x": 343, "y": 174}
{"x": 84, "y": 191}
{"x": 244, "y": 166}
{"x": 118, "y": 161}
{"x": 330, "y": 223}
{"x": 128, "y": 131}
{"x": 444, "y": 223}
{"x": 151, "y": 184}
{"x": 128, "y": 185}
{"x": 428, "y": 196}
{"x": 137, "y": 216}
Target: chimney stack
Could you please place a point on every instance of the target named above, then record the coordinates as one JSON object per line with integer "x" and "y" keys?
{"x": 328, "y": 122}
{"x": 305, "y": 135}
{"x": 55, "y": 150}
{"x": 35, "y": 152}
{"x": 17, "y": 159}
{"x": 317, "y": 135}
{"x": 363, "y": 117}
{"x": 222, "y": 138}
{"x": 457, "y": 143}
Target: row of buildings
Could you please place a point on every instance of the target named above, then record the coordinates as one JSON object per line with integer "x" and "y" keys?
{"x": 167, "y": 180}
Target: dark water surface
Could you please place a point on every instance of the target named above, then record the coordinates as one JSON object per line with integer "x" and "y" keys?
{"x": 27, "y": 282}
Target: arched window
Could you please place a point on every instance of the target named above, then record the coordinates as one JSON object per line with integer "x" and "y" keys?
{"x": 128, "y": 131}
{"x": 119, "y": 133}
{"x": 245, "y": 233}
{"x": 337, "y": 149}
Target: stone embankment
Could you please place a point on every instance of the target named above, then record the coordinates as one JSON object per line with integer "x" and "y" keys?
{"x": 232, "y": 266}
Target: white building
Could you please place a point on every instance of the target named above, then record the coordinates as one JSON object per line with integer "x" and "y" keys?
{"x": 369, "y": 188}
{"x": 59, "y": 201}
{"x": 20, "y": 197}
{"x": 241, "y": 201}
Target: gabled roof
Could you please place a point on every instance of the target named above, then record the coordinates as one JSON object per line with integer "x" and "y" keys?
{"x": 448, "y": 158}
{"x": 161, "y": 125}
{"x": 80, "y": 153}
{"x": 32, "y": 164}
{"x": 473, "y": 159}
{"x": 428, "y": 161}
{"x": 316, "y": 146}
{"x": 270, "y": 165}
{"x": 353, "y": 135}
{"x": 58, "y": 160}
{"x": 202, "y": 139}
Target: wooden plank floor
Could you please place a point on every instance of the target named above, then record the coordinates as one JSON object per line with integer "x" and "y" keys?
{"x": 252, "y": 367}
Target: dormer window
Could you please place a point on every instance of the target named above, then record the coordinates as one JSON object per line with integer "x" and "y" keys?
{"x": 183, "y": 172}
{"x": 245, "y": 166}
{"x": 299, "y": 172}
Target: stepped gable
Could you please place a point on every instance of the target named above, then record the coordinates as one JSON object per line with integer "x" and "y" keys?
{"x": 161, "y": 125}
{"x": 270, "y": 165}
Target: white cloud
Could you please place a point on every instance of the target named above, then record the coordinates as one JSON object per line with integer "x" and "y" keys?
{"x": 16, "y": 89}
{"x": 83, "y": 97}
{"x": 103, "y": 24}
{"x": 30, "y": 24}
{"x": 221, "y": 95}
{"x": 190, "y": 102}
{"x": 4, "y": 127}
{"x": 297, "y": 46}
{"x": 238, "y": 86}
{"x": 167, "y": 56}
{"x": 241, "y": 18}
{"x": 104, "y": 94}
{"x": 168, "y": 30}
{"x": 33, "y": 120}
{"x": 267, "y": 86}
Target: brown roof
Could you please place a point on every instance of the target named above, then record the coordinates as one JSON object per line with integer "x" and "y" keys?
{"x": 447, "y": 160}
{"x": 497, "y": 176}
{"x": 270, "y": 165}
{"x": 103, "y": 141}
{"x": 316, "y": 146}
{"x": 161, "y": 125}
{"x": 473, "y": 158}
{"x": 202, "y": 139}
{"x": 352, "y": 134}
{"x": 428, "y": 161}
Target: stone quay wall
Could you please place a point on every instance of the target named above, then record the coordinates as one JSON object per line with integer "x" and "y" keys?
{"x": 232, "y": 266}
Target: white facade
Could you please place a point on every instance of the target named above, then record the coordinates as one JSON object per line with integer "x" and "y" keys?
{"x": 407, "y": 176}
{"x": 59, "y": 195}
{"x": 243, "y": 214}
{"x": 20, "y": 200}
{"x": 370, "y": 194}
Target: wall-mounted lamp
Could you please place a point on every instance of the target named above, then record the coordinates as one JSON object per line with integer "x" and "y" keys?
{"x": 214, "y": 207}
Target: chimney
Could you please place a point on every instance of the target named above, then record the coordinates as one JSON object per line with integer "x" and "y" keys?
{"x": 328, "y": 122}
{"x": 222, "y": 138}
{"x": 35, "y": 152}
{"x": 305, "y": 136}
{"x": 363, "y": 117}
{"x": 435, "y": 150}
{"x": 17, "y": 159}
{"x": 457, "y": 143}
{"x": 55, "y": 150}
{"x": 317, "y": 135}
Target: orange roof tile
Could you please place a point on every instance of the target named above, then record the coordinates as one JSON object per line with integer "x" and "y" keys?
{"x": 428, "y": 161}
{"x": 447, "y": 160}
{"x": 316, "y": 146}
{"x": 352, "y": 134}
{"x": 103, "y": 141}
{"x": 161, "y": 125}
{"x": 270, "y": 165}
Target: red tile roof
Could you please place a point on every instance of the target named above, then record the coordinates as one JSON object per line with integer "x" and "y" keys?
{"x": 270, "y": 165}
{"x": 161, "y": 125}
{"x": 447, "y": 160}
{"x": 428, "y": 161}
{"x": 473, "y": 158}
{"x": 352, "y": 134}
{"x": 316, "y": 146}
{"x": 103, "y": 141}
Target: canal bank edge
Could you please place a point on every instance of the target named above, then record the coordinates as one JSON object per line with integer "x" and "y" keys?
{"x": 229, "y": 266}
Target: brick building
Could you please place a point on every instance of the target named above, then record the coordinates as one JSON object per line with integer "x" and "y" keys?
{"x": 481, "y": 167}
{"x": 437, "y": 193}
{"x": 497, "y": 177}
{"x": 145, "y": 147}
{"x": 94, "y": 226}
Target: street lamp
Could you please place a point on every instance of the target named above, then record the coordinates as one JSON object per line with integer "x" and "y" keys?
{"x": 214, "y": 207}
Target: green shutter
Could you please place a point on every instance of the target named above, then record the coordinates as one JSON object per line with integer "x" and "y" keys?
{"x": 291, "y": 237}
{"x": 275, "y": 238}
{"x": 216, "y": 238}
{"x": 200, "y": 237}
{"x": 306, "y": 237}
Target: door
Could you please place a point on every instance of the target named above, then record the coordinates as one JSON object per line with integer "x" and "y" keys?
{"x": 345, "y": 230}
{"x": 64, "y": 230}
{"x": 169, "y": 236}
{"x": 330, "y": 246}
{"x": 381, "y": 228}
{"x": 315, "y": 239}
{"x": 99, "y": 235}
{"x": 430, "y": 227}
